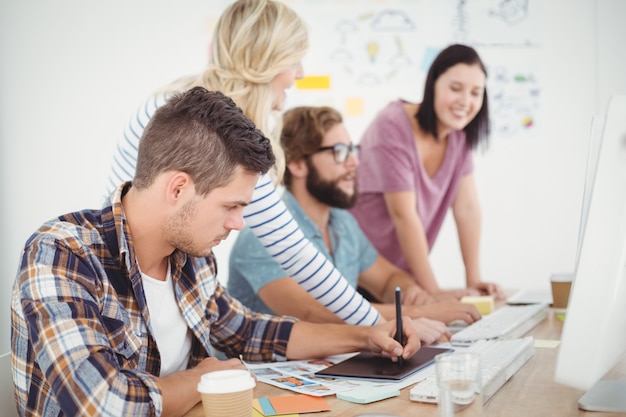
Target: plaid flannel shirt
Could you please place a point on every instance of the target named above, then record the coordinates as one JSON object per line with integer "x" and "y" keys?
{"x": 80, "y": 333}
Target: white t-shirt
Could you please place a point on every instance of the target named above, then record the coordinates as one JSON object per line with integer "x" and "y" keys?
{"x": 172, "y": 335}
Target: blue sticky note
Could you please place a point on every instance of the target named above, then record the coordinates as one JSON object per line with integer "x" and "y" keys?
{"x": 266, "y": 407}
{"x": 366, "y": 395}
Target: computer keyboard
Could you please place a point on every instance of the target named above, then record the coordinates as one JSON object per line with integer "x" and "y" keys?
{"x": 506, "y": 322}
{"x": 499, "y": 361}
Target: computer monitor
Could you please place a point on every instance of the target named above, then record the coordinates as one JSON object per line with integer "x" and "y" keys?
{"x": 594, "y": 331}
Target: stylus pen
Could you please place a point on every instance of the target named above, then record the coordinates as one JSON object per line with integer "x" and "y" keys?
{"x": 399, "y": 335}
{"x": 243, "y": 362}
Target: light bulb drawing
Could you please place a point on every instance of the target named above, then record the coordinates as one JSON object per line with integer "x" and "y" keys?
{"x": 372, "y": 50}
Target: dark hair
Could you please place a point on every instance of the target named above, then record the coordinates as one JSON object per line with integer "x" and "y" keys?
{"x": 204, "y": 134}
{"x": 303, "y": 132}
{"x": 478, "y": 129}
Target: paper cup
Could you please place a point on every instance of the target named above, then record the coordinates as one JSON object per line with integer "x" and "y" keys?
{"x": 227, "y": 393}
{"x": 561, "y": 285}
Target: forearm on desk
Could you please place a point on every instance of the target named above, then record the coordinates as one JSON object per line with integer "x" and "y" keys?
{"x": 285, "y": 297}
{"x": 309, "y": 340}
{"x": 269, "y": 219}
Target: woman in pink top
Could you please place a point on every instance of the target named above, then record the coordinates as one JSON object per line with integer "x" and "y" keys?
{"x": 416, "y": 162}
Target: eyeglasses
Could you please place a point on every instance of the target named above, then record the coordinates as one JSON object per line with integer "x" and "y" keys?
{"x": 341, "y": 151}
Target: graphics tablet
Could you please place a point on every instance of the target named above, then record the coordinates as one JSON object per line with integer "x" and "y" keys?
{"x": 369, "y": 366}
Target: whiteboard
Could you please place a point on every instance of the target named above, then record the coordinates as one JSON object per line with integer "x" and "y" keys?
{"x": 374, "y": 52}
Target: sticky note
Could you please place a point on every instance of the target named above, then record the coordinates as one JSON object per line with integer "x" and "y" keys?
{"x": 541, "y": 343}
{"x": 484, "y": 303}
{"x": 314, "y": 82}
{"x": 365, "y": 395}
{"x": 257, "y": 413}
{"x": 289, "y": 404}
{"x": 353, "y": 107}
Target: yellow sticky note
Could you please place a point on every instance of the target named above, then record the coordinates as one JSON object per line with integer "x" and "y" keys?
{"x": 257, "y": 413}
{"x": 541, "y": 343}
{"x": 353, "y": 107}
{"x": 314, "y": 82}
{"x": 484, "y": 303}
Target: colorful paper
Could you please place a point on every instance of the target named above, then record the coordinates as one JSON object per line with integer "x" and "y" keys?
{"x": 289, "y": 405}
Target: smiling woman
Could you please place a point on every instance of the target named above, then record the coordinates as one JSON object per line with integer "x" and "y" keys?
{"x": 416, "y": 163}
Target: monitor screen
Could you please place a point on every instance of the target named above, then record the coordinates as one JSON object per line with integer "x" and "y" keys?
{"x": 594, "y": 331}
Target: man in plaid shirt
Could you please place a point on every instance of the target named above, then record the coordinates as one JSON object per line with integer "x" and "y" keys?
{"x": 114, "y": 311}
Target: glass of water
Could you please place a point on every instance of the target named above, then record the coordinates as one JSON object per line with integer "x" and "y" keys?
{"x": 460, "y": 389}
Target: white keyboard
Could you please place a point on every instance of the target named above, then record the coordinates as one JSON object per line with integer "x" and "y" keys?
{"x": 499, "y": 361}
{"x": 507, "y": 322}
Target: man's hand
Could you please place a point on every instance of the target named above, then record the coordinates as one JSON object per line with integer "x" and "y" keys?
{"x": 431, "y": 331}
{"x": 381, "y": 340}
{"x": 211, "y": 364}
{"x": 179, "y": 389}
{"x": 450, "y": 310}
{"x": 414, "y": 295}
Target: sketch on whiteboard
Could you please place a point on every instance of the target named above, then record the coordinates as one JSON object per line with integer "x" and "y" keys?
{"x": 376, "y": 51}
{"x": 493, "y": 23}
{"x": 369, "y": 47}
{"x": 511, "y": 11}
{"x": 514, "y": 101}
{"x": 392, "y": 21}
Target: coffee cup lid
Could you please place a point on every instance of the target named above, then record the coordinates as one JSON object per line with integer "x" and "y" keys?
{"x": 562, "y": 277}
{"x": 223, "y": 382}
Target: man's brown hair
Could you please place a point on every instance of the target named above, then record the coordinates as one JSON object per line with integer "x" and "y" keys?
{"x": 303, "y": 132}
{"x": 204, "y": 134}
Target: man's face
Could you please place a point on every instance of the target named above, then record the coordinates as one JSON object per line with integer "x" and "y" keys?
{"x": 329, "y": 181}
{"x": 203, "y": 222}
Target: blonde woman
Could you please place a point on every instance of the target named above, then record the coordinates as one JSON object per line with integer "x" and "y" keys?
{"x": 257, "y": 49}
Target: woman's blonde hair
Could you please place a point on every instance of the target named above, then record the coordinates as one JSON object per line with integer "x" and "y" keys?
{"x": 253, "y": 42}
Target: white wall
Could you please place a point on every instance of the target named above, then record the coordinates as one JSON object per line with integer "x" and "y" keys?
{"x": 72, "y": 72}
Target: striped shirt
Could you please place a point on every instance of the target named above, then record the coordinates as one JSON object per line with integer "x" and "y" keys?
{"x": 251, "y": 267}
{"x": 81, "y": 335}
{"x": 272, "y": 223}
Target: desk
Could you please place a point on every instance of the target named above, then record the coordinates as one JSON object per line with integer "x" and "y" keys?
{"x": 530, "y": 392}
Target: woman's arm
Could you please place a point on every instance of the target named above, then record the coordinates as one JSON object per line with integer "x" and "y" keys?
{"x": 286, "y": 298}
{"x": 412, "y": 237}
{"x": 467, "y": 216}
{"x": 381, "y": 280}
{"x": 271, "y": 222}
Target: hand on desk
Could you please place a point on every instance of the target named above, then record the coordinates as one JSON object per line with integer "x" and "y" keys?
{"x": 445, "y": 311}
{"x": 211, "y": 364}
{"x": 431, "y": 331}
{"x": 415, "y": 295}
{"x": 489, "y": 288}
{"x": 179, "y": 389}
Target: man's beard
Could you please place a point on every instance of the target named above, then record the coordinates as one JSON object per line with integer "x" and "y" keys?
{"x": 328, "y": 192}
{"x": 176, "y": 230}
